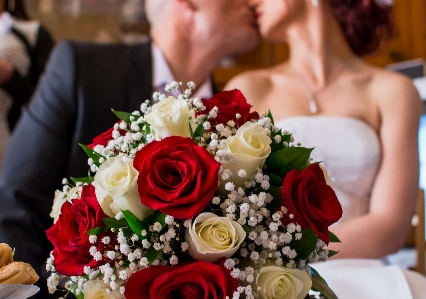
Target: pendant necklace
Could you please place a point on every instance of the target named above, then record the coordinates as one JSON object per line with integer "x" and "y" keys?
{"x": 313, "y": 107}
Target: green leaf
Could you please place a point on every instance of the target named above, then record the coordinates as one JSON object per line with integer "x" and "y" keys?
{"x": 199, "y": 131}
{"x": 276, "y": 194}
{"x": 127, "y": 232}
{"x": 146, "y": 131}
{"x": 143, "y": 139}
{"x": 124, "y": 116}
{"x": 270, "y": 116}
{"x": 319, "y": 284}
{"x": 88, "y": 180}
{"x": 92, "y": 154}
{"x": 280, "y": 145}
{"x": 135, "y": 224}
{"x": 246, "y": 228}
{"x": 306, "y": 245}
{"x": 73, "y": 291}
{"x": 149, "y": 218}
{"x": 96, "y": 231}
{"x": 332, "y": 252}
{"x": 114, "y": 223}
{"x": 286, "y": 159}
{"x": 275, "y": 180}
{"x": 152, "y": 255}
{"x": 334, "y": 238}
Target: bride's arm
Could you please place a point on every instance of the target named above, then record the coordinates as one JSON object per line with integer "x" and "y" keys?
{"x": 384, "y": 229}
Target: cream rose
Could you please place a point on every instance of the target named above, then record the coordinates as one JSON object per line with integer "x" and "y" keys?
{"x": 98, "y": 290}
{"x": 327, "y": 177}
{"x": 211, "y": 237}
{"x": 60, "y": 198}
{"x": 116, "y": 187}
{"x": 282, "y": 283}
{"x": 169, "y": 117}
{"x": 247, "y": 150}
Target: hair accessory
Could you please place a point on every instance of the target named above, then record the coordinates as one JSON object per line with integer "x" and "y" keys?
{"x": 384, "y": 2}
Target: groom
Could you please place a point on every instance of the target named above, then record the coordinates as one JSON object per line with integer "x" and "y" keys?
{"x": 82, "y": 83}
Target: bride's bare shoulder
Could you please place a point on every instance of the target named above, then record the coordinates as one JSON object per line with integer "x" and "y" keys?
{"x": 254, "y": 84}
{"x": 246, "y": 80}
{"x": 393, "y": 89}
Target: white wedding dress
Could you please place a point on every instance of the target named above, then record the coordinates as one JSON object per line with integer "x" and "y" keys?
{"x": 350, "y": 151}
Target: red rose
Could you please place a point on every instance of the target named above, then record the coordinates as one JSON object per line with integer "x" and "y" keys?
{"x": 230, "y": 103}
{"x": 176, "y": 176}
{"x": 313, "y": 203}
{"x": 103, "y": 138}
{"x": 68, "y": 235}
{"x": 195, "y": 280}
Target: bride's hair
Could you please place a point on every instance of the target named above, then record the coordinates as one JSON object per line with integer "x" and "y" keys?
{"x": 364, "y": 23}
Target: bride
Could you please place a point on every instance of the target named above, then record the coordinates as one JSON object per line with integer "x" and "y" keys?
{"x": 362, "y": 120}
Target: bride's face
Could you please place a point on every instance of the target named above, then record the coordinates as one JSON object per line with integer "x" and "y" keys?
{"x": 275, "y": 16}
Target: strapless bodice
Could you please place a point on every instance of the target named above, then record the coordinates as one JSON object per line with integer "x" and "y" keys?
{"x": 350, "y": 151}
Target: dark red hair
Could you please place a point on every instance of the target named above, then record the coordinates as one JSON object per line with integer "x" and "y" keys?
{"x": 364, "y": 23}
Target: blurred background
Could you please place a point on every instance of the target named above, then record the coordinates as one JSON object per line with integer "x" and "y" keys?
{"x": 90, "y": 20}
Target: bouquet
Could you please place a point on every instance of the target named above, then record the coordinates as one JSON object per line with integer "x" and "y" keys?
{"x": 193, "y": 198}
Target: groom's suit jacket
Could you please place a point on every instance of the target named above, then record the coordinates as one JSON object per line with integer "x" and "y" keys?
{"x": 71, "y": 105}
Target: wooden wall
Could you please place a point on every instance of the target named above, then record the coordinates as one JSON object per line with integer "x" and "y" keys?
{"x": 88, "y": 20}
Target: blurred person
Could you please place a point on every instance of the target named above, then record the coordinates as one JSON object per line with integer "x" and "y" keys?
{"x": 24, "y": 48}
{"x": 83, "y": 82}
{"x": 362, "y": 121}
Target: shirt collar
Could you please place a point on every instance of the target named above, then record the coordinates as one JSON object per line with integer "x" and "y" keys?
{"x": 163, "y": 75}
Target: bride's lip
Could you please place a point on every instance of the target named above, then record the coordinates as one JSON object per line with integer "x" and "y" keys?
{"x": 257, "y": 15}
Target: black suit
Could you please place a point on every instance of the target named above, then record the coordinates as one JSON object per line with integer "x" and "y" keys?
{"x": 71, "y": 105}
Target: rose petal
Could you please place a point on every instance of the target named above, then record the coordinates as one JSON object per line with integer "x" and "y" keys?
{"x": 312, "y": 202}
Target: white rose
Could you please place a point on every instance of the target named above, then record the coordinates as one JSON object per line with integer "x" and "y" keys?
{"x": 211, "y": 238}
{"x": 247, "y": 150}
{"x": 169, "y": 117}
{"x": 60, "y": 198}
{"x": 283, "y": 283}
{"x": 98, "y": 290}
{"x": 327, "y": 177}
{"x": 116, "y": 188}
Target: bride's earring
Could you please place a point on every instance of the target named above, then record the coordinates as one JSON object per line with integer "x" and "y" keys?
{"x": 314, "y": 2}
